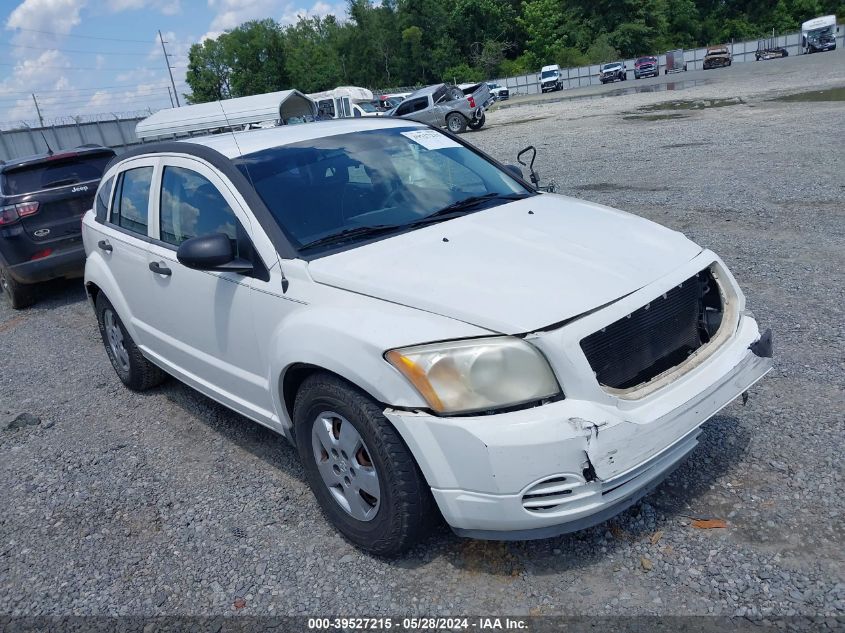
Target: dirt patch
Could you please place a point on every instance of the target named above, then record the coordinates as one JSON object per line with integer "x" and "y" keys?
{"x": 811, "y": 96}
{"x": 694, "y": 104}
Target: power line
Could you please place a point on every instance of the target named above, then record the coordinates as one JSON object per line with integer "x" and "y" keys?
{"x": 73, "y": 50}
{"x": 88, "y": 67}
{"x": 85, "y": 37}
{"x": 72, "y": 99}
{"x": 93, "y": 88}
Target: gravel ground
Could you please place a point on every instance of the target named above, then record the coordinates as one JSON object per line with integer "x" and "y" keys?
{"x": 166, "y": 503}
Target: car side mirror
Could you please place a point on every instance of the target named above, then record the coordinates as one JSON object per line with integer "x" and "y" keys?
{"x": 515, "y": 170}
{"x": 211, "y": 252}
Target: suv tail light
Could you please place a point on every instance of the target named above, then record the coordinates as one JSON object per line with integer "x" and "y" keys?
{"x": 13, "y": 212}
{"x": 471, "y": 101}
{"x": 27, "y": 208}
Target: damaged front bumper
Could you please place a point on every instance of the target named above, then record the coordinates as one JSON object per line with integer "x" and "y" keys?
{"x": 570, "y": 464}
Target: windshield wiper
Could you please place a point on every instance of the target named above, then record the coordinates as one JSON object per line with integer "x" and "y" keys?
{"x": 348, "y": 234}
{"x": 457, "y": 208}
{"x": 447, "y": 212}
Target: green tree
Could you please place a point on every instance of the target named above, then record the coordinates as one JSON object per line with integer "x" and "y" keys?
{"x": 208, "y": 73}
{"x": 312, "y": 52}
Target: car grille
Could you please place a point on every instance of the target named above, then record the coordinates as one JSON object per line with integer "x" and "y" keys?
{"x": 652, "y": 339}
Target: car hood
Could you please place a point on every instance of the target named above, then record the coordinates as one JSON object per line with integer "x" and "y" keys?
{"x": 514, "y": 268}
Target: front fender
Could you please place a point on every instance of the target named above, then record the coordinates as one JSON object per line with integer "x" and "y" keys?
{"x": 350, "y": 341}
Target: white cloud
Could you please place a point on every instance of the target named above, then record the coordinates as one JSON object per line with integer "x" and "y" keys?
{"x": 291, "y": 14}
{"x": 167, "y": 7}
{"x": 232, "y": 13}
{"x": 56, "y": 16}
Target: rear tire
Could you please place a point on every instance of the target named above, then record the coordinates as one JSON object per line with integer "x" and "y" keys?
{"x": 394, "y": 509}
{"x": 19, "y": 295}
{"x": 456, "y": 123}
{"x": 133, "y": 369}
{"x": 478, "y": 123}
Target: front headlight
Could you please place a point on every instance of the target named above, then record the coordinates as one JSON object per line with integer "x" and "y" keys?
{"x": 476, "y": 374}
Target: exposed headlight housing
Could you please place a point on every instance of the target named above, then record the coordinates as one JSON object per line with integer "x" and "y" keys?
{"x": 476, "y": 374}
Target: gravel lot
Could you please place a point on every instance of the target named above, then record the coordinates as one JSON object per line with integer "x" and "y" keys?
{"x": 166, "y": 503}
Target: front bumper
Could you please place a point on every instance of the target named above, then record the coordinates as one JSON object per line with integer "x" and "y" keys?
{"x": 487, "y": 473}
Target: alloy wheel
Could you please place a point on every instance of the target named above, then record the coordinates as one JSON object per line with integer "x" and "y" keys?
{"x": 115, "y": 337}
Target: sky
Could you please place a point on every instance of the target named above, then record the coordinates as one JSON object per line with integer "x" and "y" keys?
{"x": 84, "y": 57}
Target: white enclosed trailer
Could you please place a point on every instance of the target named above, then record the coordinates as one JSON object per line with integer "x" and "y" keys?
{"x": 273, "y": 108}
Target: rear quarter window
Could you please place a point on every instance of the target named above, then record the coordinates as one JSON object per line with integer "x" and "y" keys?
{"x": 55, "y": 173}
{"x": 101, "y": 204}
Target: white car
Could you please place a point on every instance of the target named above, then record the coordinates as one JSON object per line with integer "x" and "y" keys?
{"x": 432, "y": 333}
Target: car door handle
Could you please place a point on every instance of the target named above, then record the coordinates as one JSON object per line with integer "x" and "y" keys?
{"x": 160, "y": 269}
{"x": 104, "y": 245}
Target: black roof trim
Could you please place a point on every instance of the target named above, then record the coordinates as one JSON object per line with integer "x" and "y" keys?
{"x": 278, "y": 238}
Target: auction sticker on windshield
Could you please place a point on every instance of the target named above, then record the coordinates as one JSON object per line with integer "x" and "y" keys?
{"x": 430, "y": 139}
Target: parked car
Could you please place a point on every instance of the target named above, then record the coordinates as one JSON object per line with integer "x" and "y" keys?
{"x": 445, "y": 105}
{"x": 550, "y": 78}
{"x": 500, "y": 93}
{"x": 646, "y": 67}
{"x": 344, "y": 284}
{"x": 717, "y": 57}
{"x": 614, "y": 71}
{"x": 42, "y": 199}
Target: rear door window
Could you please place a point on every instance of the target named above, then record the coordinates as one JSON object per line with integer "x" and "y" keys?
{"x": 54, "y": 173}
{"x": 131, "y": 203}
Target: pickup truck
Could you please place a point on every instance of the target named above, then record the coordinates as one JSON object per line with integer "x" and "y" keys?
{"x": 445, "y": 105}
{"x": 717, "y": 57}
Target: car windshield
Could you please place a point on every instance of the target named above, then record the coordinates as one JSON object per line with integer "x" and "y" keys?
{"x": 368, "y": 107}
{"x": 815, "y": 33}
{"x": 549, "y": 73}
{"x": 718, "y": 51}
{"x": 393, "y": 178}
{"x": 610, "y": 66}
{"x": 646, "y": 60}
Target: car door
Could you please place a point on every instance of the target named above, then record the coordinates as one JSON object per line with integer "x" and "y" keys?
{"x": 124, "y": 242}
{"x": 201, "y": 321}
{"x": 415, "y": 109}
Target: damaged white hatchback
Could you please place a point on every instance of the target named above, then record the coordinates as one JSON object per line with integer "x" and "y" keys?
{"x": 433, "y": 333}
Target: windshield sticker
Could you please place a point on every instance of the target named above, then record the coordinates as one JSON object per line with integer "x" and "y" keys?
{"x": 430, "y": 139}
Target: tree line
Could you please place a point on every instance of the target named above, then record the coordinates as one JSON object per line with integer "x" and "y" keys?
{"x": 417, "y": 42}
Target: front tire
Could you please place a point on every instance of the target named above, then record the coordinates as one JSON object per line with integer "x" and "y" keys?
{"x": 456, "y": 123}
{"x": 365, "y": 479}
{"x": 19, "y": 295}
{"x": 130, "y": 365}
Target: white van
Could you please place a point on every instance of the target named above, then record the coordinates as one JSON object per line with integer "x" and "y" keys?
{"x": 550, "y": 78}
{"x": 345, "y": 102}
{"x": 819, "y": 34}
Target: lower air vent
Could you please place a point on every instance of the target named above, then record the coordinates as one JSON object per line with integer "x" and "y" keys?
{"x": 551, "y": 493}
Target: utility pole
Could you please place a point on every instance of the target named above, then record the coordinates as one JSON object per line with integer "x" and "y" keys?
{"x": 38, "y": 110}
{"x": 170, "y": 94}
{"x": 169, "y": 67}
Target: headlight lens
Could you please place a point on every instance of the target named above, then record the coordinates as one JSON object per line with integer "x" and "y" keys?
{"x": 476, "y": 374}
